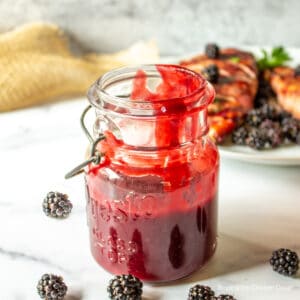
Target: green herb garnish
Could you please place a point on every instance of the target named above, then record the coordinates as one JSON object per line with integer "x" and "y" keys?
{"x": 219, "y": 100}
{"x": 277, "y": 57}
{"x": 234, "y": 59}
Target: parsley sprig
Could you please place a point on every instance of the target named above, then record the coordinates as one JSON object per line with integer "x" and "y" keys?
{"x": 277, "y": 57}
{"x": 235, "y": 59}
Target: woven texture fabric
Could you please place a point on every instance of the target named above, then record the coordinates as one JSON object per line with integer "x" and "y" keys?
{"x": 37, "y": 65}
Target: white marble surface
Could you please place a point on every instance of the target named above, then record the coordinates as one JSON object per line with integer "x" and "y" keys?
{"x": 259, "y": 210}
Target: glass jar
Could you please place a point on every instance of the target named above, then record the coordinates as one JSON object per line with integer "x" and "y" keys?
{"x": 152, "y": 199}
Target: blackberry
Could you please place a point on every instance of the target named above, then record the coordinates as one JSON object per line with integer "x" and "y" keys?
{"x": 270, "y": 111}
{"x": 51, "y": 287}
{"x": 267, "y": 135}
{"x": 272, "y": 131}
{"x": 240, "y": 135}
{"x": 57, "y": 205}
{"x": 254, "y": 117}
{"x": 125, "y": 287}
{"x": 211, "y": 73}
{"x": 260, "y": 101}
{"x": 264, "y": 91}
{"x": 201, "y": 292}
{"x": 283, "y": 115}
{"x": 212, "y": 50}
{"x": 257, "y": 139}
{"x": 297, "y": 71}
{"x": 224, "y": 297}
{"x": 285, "y": 262}
{"x": 267, "y": 111}
{"x": 290, "y": 128}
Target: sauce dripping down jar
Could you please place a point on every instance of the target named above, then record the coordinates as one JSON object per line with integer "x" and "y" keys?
{"x": 152, "y": 197}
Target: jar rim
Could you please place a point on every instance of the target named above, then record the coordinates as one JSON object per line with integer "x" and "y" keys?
{"x": 97, "y": 93}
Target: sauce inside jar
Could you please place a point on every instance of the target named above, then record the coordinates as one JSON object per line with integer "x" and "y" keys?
{"x": 152, "y": 210}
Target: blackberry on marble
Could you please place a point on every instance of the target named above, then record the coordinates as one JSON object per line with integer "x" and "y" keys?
{"x": 52, "y": 287}
{"x": 201, "y": 292}
{"x": 125, "y": 287}
{"x": 285, "y": 262}
{"x": 57, "y": 205}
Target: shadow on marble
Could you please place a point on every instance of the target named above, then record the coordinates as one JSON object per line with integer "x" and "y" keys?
{"x": 232, "y": 255}
{"x": 151, "y": 295}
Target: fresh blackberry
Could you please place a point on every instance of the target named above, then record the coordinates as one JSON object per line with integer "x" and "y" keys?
{"x": 57, "y": 205}
{"x": 212, "y": 50}
{"x": 267, "y": 111}
{"x": 201, "y": 292}
{"x": 297, "y": 71}
{"x": 51, "y": 287}
{"x": 125, "y": 287}
{"x": 255, "y": 117}
{"x": 270, "y": 111}
{"x": 240, "y": 135}
{"x": 290, "y": 128}
{"x": 285, "y": 262}
{"x": 211, "y": 73}
{"x": 224, "y": 297}
{"x": 283, "y": 115}
{"x": 263, "y": 96}
{"x": 267, "y": 135}
{"x": 272, "y": 131}
{"x": 260, "y": 101}
{"x": 257, "y": 139}
{"x": 264, "y": 91}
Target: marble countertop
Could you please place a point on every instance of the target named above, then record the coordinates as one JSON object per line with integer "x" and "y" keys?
{"x": 259, "y": 211}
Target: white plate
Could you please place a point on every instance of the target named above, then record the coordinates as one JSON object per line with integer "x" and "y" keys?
{"x": 284, "y": 155}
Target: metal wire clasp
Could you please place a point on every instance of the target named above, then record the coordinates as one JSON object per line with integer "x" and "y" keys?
{"x": 95, "y": 156}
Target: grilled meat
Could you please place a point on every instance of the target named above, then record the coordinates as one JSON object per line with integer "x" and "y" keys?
{"x": 235, "y": 87}
{"x": 286, "y": 84}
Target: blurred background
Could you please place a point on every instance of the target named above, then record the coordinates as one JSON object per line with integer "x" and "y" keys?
{"x": 179, "y": 26}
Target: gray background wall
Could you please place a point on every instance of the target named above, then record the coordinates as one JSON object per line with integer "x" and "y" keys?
{"x": 178, "y": 25}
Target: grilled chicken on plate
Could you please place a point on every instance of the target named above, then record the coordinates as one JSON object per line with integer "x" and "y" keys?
{"x": 285, "y": 82}
{"x": 234, "y": 74}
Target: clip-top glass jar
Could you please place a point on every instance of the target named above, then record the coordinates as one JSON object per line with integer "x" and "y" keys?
{"x": 152, "y": 199}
